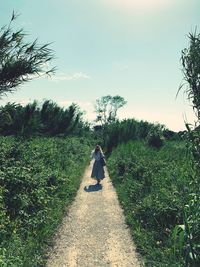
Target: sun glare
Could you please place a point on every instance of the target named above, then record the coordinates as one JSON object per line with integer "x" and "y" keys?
{"x": 138, "y": 4}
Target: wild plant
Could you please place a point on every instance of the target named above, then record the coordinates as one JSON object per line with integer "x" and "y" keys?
{"x": 187, "y": 236}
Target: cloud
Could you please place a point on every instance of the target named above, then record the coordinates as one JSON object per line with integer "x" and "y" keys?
{"x": 70, "y": 76}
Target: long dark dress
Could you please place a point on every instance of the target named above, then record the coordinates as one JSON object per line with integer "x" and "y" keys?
{"x": 97, "y": 168}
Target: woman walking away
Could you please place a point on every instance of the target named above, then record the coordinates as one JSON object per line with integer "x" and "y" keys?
{"x": 97, "y": 169}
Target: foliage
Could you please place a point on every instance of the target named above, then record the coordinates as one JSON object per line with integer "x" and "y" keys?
{"x": 123, "y": 131}
{"x": 171, "y": 135}
{"x": 47, "y": 119}
{"x": 20, "y": 61}
{"x": 38, "y": 177}
{"x": 187, "y": 234}
{"x": 106, "y": 108}
{"x": 155, "y": 137}
{"x": 153, "y": 188}
{"x": 191, "y": 70}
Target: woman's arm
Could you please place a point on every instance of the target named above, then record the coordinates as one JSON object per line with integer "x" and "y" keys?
{"x": 92, "y": 154}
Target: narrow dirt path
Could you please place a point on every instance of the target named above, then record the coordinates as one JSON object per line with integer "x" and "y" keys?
{"x": 94, "y": 233}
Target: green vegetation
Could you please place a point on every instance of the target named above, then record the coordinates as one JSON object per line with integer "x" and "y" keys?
{"x": 41, "y": 119}
{"x": 120, "y": 132}
{"x": 152, "y": 168}
{"x": 188, "y": 234}
{"x": 153, "y": 187}
{"x": 21, "y": 61}
{"x": 38, "y": 177}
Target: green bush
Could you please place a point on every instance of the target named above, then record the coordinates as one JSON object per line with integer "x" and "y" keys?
{"x": 155, "y": 138}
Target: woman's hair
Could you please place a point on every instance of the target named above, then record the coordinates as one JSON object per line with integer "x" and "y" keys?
{"x": 97, "y": 148}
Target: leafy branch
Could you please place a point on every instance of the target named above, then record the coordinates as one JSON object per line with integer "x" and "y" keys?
{"x": 21, "y": 61}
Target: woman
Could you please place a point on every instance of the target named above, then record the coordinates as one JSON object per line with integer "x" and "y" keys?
{"x": 97, "y": 169}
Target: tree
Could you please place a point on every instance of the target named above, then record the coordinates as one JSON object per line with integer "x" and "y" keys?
{"x": 20, "y": 61}
{"x": 106, "y": 108}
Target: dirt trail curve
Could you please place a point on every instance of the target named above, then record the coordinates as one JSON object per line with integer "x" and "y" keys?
{"x": 94, "y": 233}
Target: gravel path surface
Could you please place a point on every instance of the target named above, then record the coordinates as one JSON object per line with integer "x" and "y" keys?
{"x": 94, "y": 233}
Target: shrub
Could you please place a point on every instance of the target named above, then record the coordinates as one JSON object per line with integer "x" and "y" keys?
{"x": 38, "y": 178}
{"x": 155, "y": 139}
{"x": 152, "y": 186}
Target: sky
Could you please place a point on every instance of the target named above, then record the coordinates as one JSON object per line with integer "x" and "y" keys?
{"x": 130, "y": 48}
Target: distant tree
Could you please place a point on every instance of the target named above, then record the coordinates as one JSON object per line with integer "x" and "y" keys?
{"x": 106, "y": 108}
{"x": 20, "y": 61}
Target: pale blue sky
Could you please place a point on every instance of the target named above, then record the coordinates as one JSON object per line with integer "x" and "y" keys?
{"x": 127, "y": 47}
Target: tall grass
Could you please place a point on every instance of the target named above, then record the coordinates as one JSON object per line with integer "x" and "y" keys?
{"x": 188, "y": 233}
